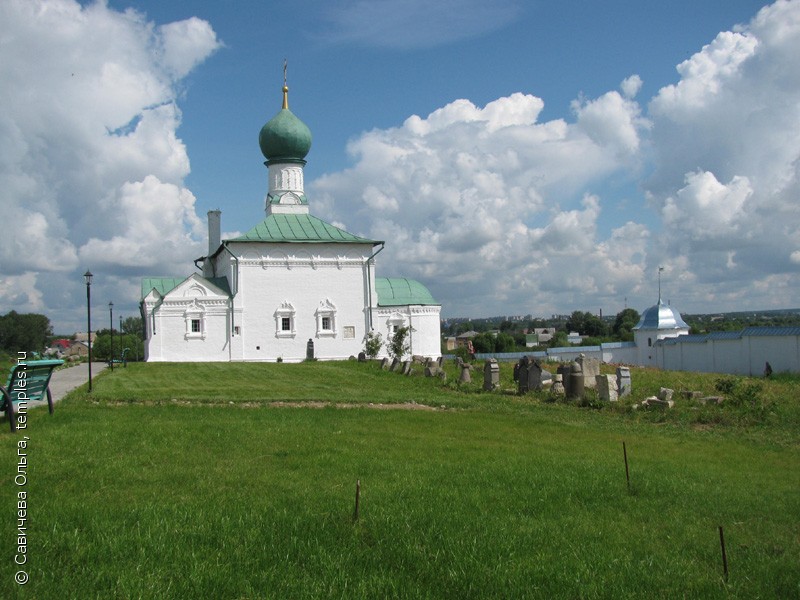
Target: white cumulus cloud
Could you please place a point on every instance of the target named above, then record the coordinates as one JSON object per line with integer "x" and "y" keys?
{"x": 501, "y": 213}
{"x": 90, "y": 162}
{"x": 726, "y": 178}
{"x": 489, "y": 206}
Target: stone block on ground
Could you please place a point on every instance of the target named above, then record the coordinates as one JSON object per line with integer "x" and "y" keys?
{"x": 607, "y": 387}
{"x": 653, "y": 402}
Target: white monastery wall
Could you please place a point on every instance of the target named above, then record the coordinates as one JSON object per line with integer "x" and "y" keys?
{"x": 782, "y": 353}
{"x": 621, "y": 356}
{"x": 726, "y": 357}
{"x": 745, "y": 355}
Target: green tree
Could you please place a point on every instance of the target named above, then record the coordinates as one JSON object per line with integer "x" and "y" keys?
{"x": 484, "y": 343}
{"x": 559, "y": 340}
{"x": 101, "y": 347}
{"x": 586, "y": 323}
{"x": 133, "y": 326}
{"x": 504, "y": 343}
{"x": 575, "y": 322}
{"x": 624, "y": 323}
{"x": 29, "y": 331}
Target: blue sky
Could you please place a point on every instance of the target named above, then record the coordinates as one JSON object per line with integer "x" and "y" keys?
{"x": 517, "y": 157}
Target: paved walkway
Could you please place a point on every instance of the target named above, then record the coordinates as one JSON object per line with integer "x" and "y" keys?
{"x": 64, "y": 381}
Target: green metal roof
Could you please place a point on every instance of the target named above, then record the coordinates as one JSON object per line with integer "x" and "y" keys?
{"x": 299, "y": 228}
{"x": 164, "y": 285}
{"x": 399, "y": 291}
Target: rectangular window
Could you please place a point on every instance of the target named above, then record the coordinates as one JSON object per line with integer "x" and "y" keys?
{"x": 326, "y": 323}
{"x": 195, "y": 325}
{"x": 286, "y": 323}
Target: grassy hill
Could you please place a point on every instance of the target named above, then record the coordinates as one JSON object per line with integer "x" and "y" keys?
{"x": 239, "y": 481}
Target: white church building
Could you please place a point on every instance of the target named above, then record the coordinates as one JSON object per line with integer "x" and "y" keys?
{"x": 291, "y": 287}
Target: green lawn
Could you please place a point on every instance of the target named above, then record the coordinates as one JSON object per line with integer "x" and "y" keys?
{"x": 181, "y": 481}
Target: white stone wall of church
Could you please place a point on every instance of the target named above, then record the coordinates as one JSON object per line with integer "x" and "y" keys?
{"x": 294, "y": 277}
{"x": 425, "y": 339}
{"x": 170, "y": 341}
{"x": 426, "y": 334}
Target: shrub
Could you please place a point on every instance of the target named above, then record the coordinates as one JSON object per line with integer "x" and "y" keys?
{"x": 372, "y": 344}
{"x": 398, "y": 345}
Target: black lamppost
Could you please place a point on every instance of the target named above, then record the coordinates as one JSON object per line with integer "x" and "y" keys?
{"x": 111, "y": 327}
{"x": 88, "y": 277}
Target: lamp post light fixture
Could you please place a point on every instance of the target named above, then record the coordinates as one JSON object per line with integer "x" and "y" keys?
{"x": 88, "y": 277}
{"x": 111, "y": 327}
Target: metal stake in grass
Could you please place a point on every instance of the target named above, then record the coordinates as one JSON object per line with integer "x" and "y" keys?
{"x": 724, "y": 554}
{"x": 627, "y": 474}
{"x": 358, "y": 497}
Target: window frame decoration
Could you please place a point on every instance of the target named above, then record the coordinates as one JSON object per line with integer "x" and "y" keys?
{"x": 284, "y": 311}
{"x": 194, "y": 314}
{"x": 326, "y": 310}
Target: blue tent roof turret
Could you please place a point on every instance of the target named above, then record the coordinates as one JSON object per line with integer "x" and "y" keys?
{"x": 661, "y": 316}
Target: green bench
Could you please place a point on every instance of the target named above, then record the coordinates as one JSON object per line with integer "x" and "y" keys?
{"x": 28, "y": 382}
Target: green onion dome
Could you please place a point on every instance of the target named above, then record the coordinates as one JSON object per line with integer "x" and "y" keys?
{"x": 285, "y": 138}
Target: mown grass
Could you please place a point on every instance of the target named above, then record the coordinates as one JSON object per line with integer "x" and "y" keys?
{"x": 133, "y": 495}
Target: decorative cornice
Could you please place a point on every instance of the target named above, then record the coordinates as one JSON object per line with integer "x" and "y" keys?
{"x": 291, "y": 262}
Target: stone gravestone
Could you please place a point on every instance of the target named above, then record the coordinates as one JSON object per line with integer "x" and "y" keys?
{"x": 537, "y": 377}
{"x": 522, "y": 375}
{"x": 362, "y": 357}
{"x": 435, "y": 371}
{"x": 563, "y": 371}
{"x": 516, "y": 371}
{"x": 395, "y": 362}
{"x": 623, "y": 381}
{"x": 576, "y": 381}
{"x": 558, "y": 384}
{"x": 590, "y": 367}
{"x": 491, "y": 375}
{"x": 440, "y": 362}
{"x": 406, "y": 367}
{"x": 465, "y": 377}
{"x": 607, "y": 387}
{"x": 384, "y": 363}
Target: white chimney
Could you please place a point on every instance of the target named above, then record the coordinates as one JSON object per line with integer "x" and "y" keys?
{"x": 214, "y": 233}
{"x": 214, "y": 240}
